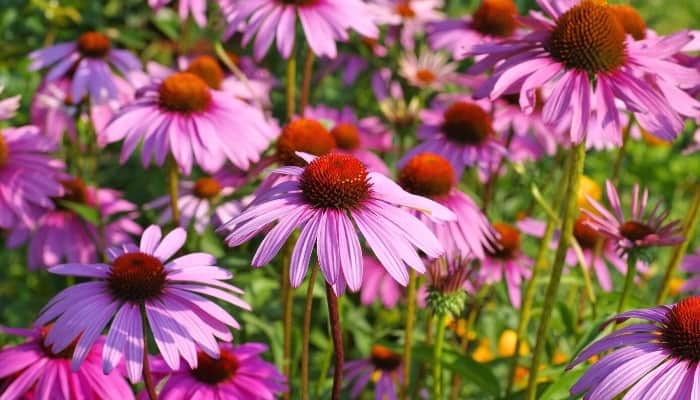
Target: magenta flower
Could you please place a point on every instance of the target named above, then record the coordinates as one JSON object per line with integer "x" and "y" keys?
{"x": 460, "y": 130}
{"x": 639, "y": 230}
{"x": 63, "y": 235}
{"x": 378, "y": 284}
{"x": 657, "y": 359}
{"x": 406, "y": 18}
{"x": 324, "y": 22}
{"x": 8, "y": 106}
{"x": 506, "y": 261}
{"x": 383, "y": 367}
{"x": 432, "y": 176}
{"x": 185, "y": 8}
{"x": 182, "y": 116}
{"x": 328, "y": 199}
{"x": 429, "y": 70}
{"x": 32, "y": 370}
{"x": 88, "y": 64}
{"x": 138, "y": 278}
{"x": 239, "y": 373}
{"x": 585, "y": 43}
{"x": 691, "y": 264}
{"x": 355, "y": 136}
{"x": 28, "y": 176}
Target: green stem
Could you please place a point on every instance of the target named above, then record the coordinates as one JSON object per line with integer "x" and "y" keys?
{"x": 629, "y": 281}
{"x": 306, "y": 81}
{"x": 577, "y": 155}
{"x": 287, "y": 303}
{"x": 408, "y": 333}
{"x": 336, "y": 334}
{"x": 464, "y": 345}
{"x": 147, "y": 377}
{"x": 689, "y": 227}
{"x": 308, "y": 305}
{"x": 291, "y": 86}
{"x": 441, "y": 321}
{"x": 173, "y": 177}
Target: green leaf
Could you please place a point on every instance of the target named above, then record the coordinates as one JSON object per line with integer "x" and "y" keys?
{"x": 560, "y": 388}
{"x": 87, "y": 213}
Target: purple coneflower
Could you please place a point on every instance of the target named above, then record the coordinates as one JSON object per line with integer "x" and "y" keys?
{"x": 324, "y": 22}
{"x": 505, "y": 259}
{"x": 185, "y": 8}
{"x": 586, "y": 42}
{"x": 9, "y": 105}
{"x": 429, "y": 70}
{"x": 139, "y": 280}
{"x": 406, "y": 18}
{"x": 31, "y": 370}
{"x": 461, "y": 130}
{"x": 430, "y": 175}
{"x": 638, "y": 231}
{"x": 329, "y": 199}
{"x": 239, "y": 373}
{"x": 62, "y": 235}
{"x": 88, "y": 64}
{"x": 181, "y": 115}
{"x": 383, "y": 367}
{"x": 657, "y": 359}
{"x": 378, "y": 284}
{"x": 28, "y": 176}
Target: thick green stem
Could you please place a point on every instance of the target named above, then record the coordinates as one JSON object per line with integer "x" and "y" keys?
{"x": 689, "y": 227}
{"x": 173, "y": 178}
{"x": 291, "y": 86}
{"x": 578, "y": 155}
{"x": 287, "y": 304}
{"x": 464, "y": 345}
{"x": 441, "y": 321}
{"x": 306, "y": 82}
{"x": 308, "y": 305}
{"x": 336, "y": 334}
{"x": 408, "y": 333}
{"x": 629, "y": 282}
{"x": 147, "y": 377}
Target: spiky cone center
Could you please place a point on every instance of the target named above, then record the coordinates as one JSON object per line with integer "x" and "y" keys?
{"x": 585, "y": 235}
{"x": 385, "y": 359}
{"x": 4, "y": 151}
{"x": 631, "y": 21}
{"x": 75, "y": 190}
{"x": 208, "y": 69}
{"x": 184, "y": 93}
{"x": 94, "y": 44}
{"x": 206, "y": 188}
{"x": 346, "y": 136}
{"x": 495, "y": 18}
{"x": 680, "y": 334}
{"x": 428, "y": 175}
{"x": 589, "y": 37}
{"x": 65, "y": 354}
{"x": 446, "y": 303}
{"x": 467, "y": 124}
{"x": 304, "y": 135}
{"x": 336, "y": 181}
{"x": 212, "y": 371}
{"x": 635, "y": 231}
{"x": 425, "y": 76}
{"x": 136, "y": 277}
{"x": 508, "y": 242}
{"x": 404, "y": 9}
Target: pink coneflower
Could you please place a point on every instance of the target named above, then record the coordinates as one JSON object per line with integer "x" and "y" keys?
{"x": 586, "y": 43}
{"x": 355, "y": 136}
{"x": 378, "y": 284}
{"x": 88, "y": 64}
{"x": 182, "y": 116}
{"x": 63, "y": 235}
{"x": 9, "y": 105}
{"x": 432, "y": 176}
{"x": 324, "y": 22}
{"x": 429, "y": 70}
{"x": 508, "y": 261}
{"x": 691, "y": 264}
{"x": 34, "y": 371}
{"x": 383, "y": 367}
{"x": 185, "y": 8}
{"x": 638, "y": 231}
{"x": 239, "y": 373}
{"x": 461, "y": 130}
{"x": 406, "y": 18}
{"x": 328, "y": 199}
{"x": 28, "y": 176}
{"x": 492, "y": 21}
{"x": 657, "y": 359}
{"x": 509, "y": 117}
{"x": 142, "y": 278}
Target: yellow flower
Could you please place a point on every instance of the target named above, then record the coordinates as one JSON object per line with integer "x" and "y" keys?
{"x": 675, "y": 286}
{"x": 559, "y": 358}
{"x": 506, "y": 344}
{"x": 592, "y": 189}
{"x": 483, "y": 352}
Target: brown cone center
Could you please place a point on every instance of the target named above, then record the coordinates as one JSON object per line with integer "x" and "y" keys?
{"x": 337, "y": 181}
{"x": 136, "y": 277}
{"x": 304, "y": 135}
{"x": 681, "y": 332}
{"x": 635, "y": 231}
{"x": 428, "y": 175}
{"x": 206, "y": 188}
{"x": 508, "y": 242}
{"x": 346, "y": 136}
{"x": 4, "y": 151}
{"x": 212, "y": 371}
{"x": 94, "y": 44}
{"x": 184, "y": 92}
{"x": 384, "y": 358}
{"x": 467, "y": 124}
{"x": 586, "y": 236}
{"x": 631, "y": 20}
{"x": 405, "y": 10}
{"x": 495, "y": 18}
{"x": 208, "y": 69}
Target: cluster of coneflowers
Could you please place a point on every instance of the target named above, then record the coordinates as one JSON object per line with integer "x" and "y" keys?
{"x": 383, "y": 197}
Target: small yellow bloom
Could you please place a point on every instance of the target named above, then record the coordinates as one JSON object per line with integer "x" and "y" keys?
{"x": 483, "y": 352}
{"x": 592, "y": 189}
{"x": 675, "y": 286}
{"x": 507, "y": 342}
{"x": 559, "y": 358}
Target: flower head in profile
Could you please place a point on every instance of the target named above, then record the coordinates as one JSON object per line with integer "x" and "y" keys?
{"x": 239, "y": 373}
{"x": 29, "y": 178}
{"x": 431, "y": 176}
{"x": 450, "y": 279}
{"x": 584, "y": 56}
{"x": 31, "y": 370}
{"x": 180, "y": 115}
{"x": 378, "y": 284}
{"x": 9, "y": 105}
{"x": 507, "y": 262}
{"x": 88, "y": 63}
{"x": 330, "y": 199}
{"x": 429, "y": 70}
{"x": 139, "y": 280}
{"x": 324, "y": 22}
{"x": 637, "y": 231}
{"x": 64, "y": 235}
{"x": 654, "y": 359}
{"x": 383, "y": 367}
